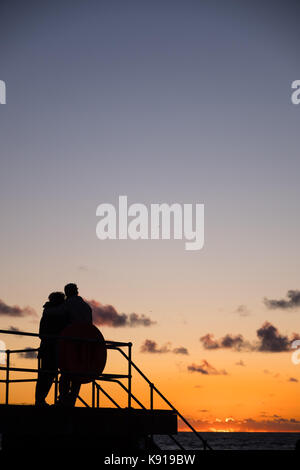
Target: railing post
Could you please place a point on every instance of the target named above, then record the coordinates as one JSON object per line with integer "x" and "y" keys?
{"x": 129, "y": 373}
{"x": 151, "y": 396}
{"x": 7, "y": 376}
{"x": 56, "y": 389}
{"x": 98, "y": 397}
{"x": 93, "y": 394}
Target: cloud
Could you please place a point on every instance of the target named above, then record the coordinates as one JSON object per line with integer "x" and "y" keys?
{"x": 228, "y": 341}
{"x": 106, "y": 315}
{"x": 150, "y": 346}
{"x": 139, "y": 320}
{"x": 180, "y": 350}
{"x": 278, "y": 423}
{"x": 206, "y": 369}
{"x": 242, "y": 310}
{"x": 209, "y": 342}
{"x": 82, "y": 267}
{"x": 292, "y": 379}
{"x": 15, "y": 310}
{"x": 13, "y": 328}
{"x": 237, "y": 342}
{"x": 268, "y": 423}
{"x": 240, "y": 363}
{"x": 269, "y": 340}
{"x": 275, "y": 375}
{"x": 28, "y": 354}
{"x": 292, "y": 302}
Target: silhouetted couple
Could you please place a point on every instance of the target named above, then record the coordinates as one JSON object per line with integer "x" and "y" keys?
{"x": 60, "y": 311}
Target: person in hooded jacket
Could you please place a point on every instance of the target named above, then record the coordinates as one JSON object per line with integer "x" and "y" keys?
{"x": 53, "y": 321}
{"x": 76, "y": 311}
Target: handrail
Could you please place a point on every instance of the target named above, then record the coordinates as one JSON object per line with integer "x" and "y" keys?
{"x": 18, "y": 351}
{"x": 144, "y": 408}
{"x": 109, "y": 343}
{"x": 204, "y": 442}
{"x": 109, "y": 377}
{"x": 126, "y": 390}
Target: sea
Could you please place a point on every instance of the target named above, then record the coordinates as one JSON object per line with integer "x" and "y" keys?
{"x": 231, "y": 440}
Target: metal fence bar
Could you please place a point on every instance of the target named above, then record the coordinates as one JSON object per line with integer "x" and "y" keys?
{"x": 108, "y": 396}
{"x": 129, "y": 373}
{"x": 93, "y": 393}
{"x": 56, "y": 389}
{"x": 132, "y": 396}
{"x": 205, "y": 444}
{"x": 176, "y": 442}
{"x": 7, "y": 376}
{"x": 109, "y": 344}
{"x": 18, "y": 380}
{"x": 84, "y": 402}
{"x": 14, "y": 351}
{"x": 151, "y": 396}
{"x": 98, "y": 397}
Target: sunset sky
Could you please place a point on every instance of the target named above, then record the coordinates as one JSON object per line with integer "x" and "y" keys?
{"x": 165, "y": 102}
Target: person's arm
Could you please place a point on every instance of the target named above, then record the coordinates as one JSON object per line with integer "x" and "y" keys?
{"x": 42, "y": 326}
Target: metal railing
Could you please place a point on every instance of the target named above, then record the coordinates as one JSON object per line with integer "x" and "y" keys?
{"x": 96, "y": 387}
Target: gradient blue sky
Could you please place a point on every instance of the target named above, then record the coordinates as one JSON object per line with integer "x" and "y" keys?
{"x": 163, "y": 101}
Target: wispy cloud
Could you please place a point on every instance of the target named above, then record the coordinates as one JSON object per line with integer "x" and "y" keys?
{"x": 180, "y": 350}
{"x": 29, "y": 354}
{"x": 242, "y": 310}
{"x": 206, "y": 369}
{"x": 13, "y": 328}
{"x": 107, "y": 315}
{"x": 268, "y": 423}
{"x": 82, "y": 267}
{"x": 150, "y": 346}
{"x": 240, "y": 363}
{"x": 236, "y": 342}
{"x": 15, "y": 310}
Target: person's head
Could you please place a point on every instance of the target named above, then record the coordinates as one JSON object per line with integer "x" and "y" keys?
{"x": 71, "y": 290}
{"x": 56, "y": 298}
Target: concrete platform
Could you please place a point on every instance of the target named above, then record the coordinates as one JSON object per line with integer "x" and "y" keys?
{"x": 26, "y": 427}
